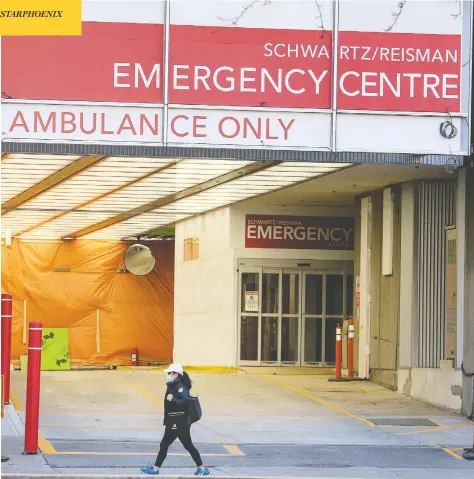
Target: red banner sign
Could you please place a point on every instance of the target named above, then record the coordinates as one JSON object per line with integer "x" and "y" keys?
{"x": 399, "y": 71}
{"x": 299, "y": 232}
{"x": 111, "y": 62}
{"x": 250, "y": 67}
{"x": 241, "y": 67}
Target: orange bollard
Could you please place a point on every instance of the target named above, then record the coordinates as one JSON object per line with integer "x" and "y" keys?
{"x": 350, "y": 349}
{"x": 338, "y": 352}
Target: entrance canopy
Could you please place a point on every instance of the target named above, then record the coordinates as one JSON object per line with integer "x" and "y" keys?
{"x": 117, "y": 198}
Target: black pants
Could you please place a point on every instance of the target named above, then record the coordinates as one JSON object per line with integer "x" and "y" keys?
{"x": 184, "y": 435}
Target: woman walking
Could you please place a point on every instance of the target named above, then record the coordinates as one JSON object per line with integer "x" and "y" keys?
{"x": 176, "y": 420}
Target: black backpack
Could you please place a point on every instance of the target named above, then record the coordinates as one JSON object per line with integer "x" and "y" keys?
{"x": 194, "y": 410}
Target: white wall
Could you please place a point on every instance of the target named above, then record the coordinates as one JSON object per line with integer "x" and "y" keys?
{"x": 205, "y": 318}
{"x": 437, "y": 386}
{"x": 440, "y": 387}
{"x": 204, "y": 330}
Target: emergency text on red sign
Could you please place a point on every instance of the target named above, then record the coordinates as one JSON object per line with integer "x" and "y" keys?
{"x": 299, "y": 232}
{"x": 240, "y": 67}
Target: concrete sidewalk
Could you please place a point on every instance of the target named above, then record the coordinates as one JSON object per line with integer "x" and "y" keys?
{"x": 365, "y": 473}
{"x": 252, "y": 473}
{"x": 13, "y": 441}
{"x": 110, "y": 422}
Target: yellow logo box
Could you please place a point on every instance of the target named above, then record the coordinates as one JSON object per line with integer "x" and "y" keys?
{"x": 40, "y": 17}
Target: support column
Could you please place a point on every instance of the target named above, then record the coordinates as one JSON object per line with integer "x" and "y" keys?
{"x": 365, "y": 286}
{"x": 467, "y": 407}
{"x": 461, "y": 221}
{"x": 407, "y": 277}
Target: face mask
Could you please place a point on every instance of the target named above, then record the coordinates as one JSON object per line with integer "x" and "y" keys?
{"x": 169, "y": 379}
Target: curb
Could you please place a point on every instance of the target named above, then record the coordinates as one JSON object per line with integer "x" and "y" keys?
{"x": 197, "y": 369}
{"x": 128, "y": 476}
{"x": 13, "y": 416}
{"x": 248, "y": 370}
{"x": 212, "y": 369}
{"x": 287, "y": 371}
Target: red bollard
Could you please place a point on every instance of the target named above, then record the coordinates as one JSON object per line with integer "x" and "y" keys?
{"x": 350, "y": 349}
{"x": 33, "y": 388}
{"x": 7, "y": 308}
{"x": 338, "y": 352}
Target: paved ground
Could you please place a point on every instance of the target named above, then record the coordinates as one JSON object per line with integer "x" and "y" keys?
{"x": 109, "y": 422}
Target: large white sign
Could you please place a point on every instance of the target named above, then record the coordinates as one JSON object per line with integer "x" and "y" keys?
{"x": 281, "y": 129}
{"x": 257, "y": 129}
{"x": 232, "y": 73}
{"x": 82, "y": 123}
{"x": 144, "y": 124}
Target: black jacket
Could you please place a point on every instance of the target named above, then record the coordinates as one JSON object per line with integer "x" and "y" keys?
{"x": 176, "y": 410}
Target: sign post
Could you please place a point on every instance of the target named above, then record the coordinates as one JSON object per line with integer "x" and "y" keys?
{"x": 4, "y": 458}
{"x": 7, "y": 308}
{"x": 33, "y": 388}
{"x": 3, "y": 402}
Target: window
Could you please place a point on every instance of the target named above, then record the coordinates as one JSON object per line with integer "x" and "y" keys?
{"x": 191, "y": 249}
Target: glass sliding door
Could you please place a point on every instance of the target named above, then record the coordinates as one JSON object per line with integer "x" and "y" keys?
{"x": 249, "y": 316}
{"x": 288, "y": 317}
{"x": 249, "y": 338}
{"x": 313, "y": 318}
{"x": 333, "y": 315}
{"x": 327, "y": 301}
{"x": 269, "y": 317}
{"x": 291, "y": 318}
{"x": 271, "y": 308}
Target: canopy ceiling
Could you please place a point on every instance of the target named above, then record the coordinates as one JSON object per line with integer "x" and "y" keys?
{"x": 116, "y": 198}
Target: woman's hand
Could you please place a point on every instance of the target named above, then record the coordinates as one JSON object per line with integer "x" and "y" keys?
{"x": 169, "y": 397}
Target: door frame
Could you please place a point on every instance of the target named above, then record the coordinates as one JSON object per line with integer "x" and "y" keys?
{"x": 277, "y": 316}
{"x": 324, "y": 316}
{"x": 299, "y": 273}
{"x": 301, "y": 316}
{"x": 304, "y": 316}
{"x": 257, "y": 270}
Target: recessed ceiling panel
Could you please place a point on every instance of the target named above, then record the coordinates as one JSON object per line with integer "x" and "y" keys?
{"x": 116, "y": 186}
{"x": 21, "y": 171}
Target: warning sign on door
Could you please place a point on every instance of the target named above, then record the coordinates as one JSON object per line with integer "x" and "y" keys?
{"x": 251, "y": 301}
